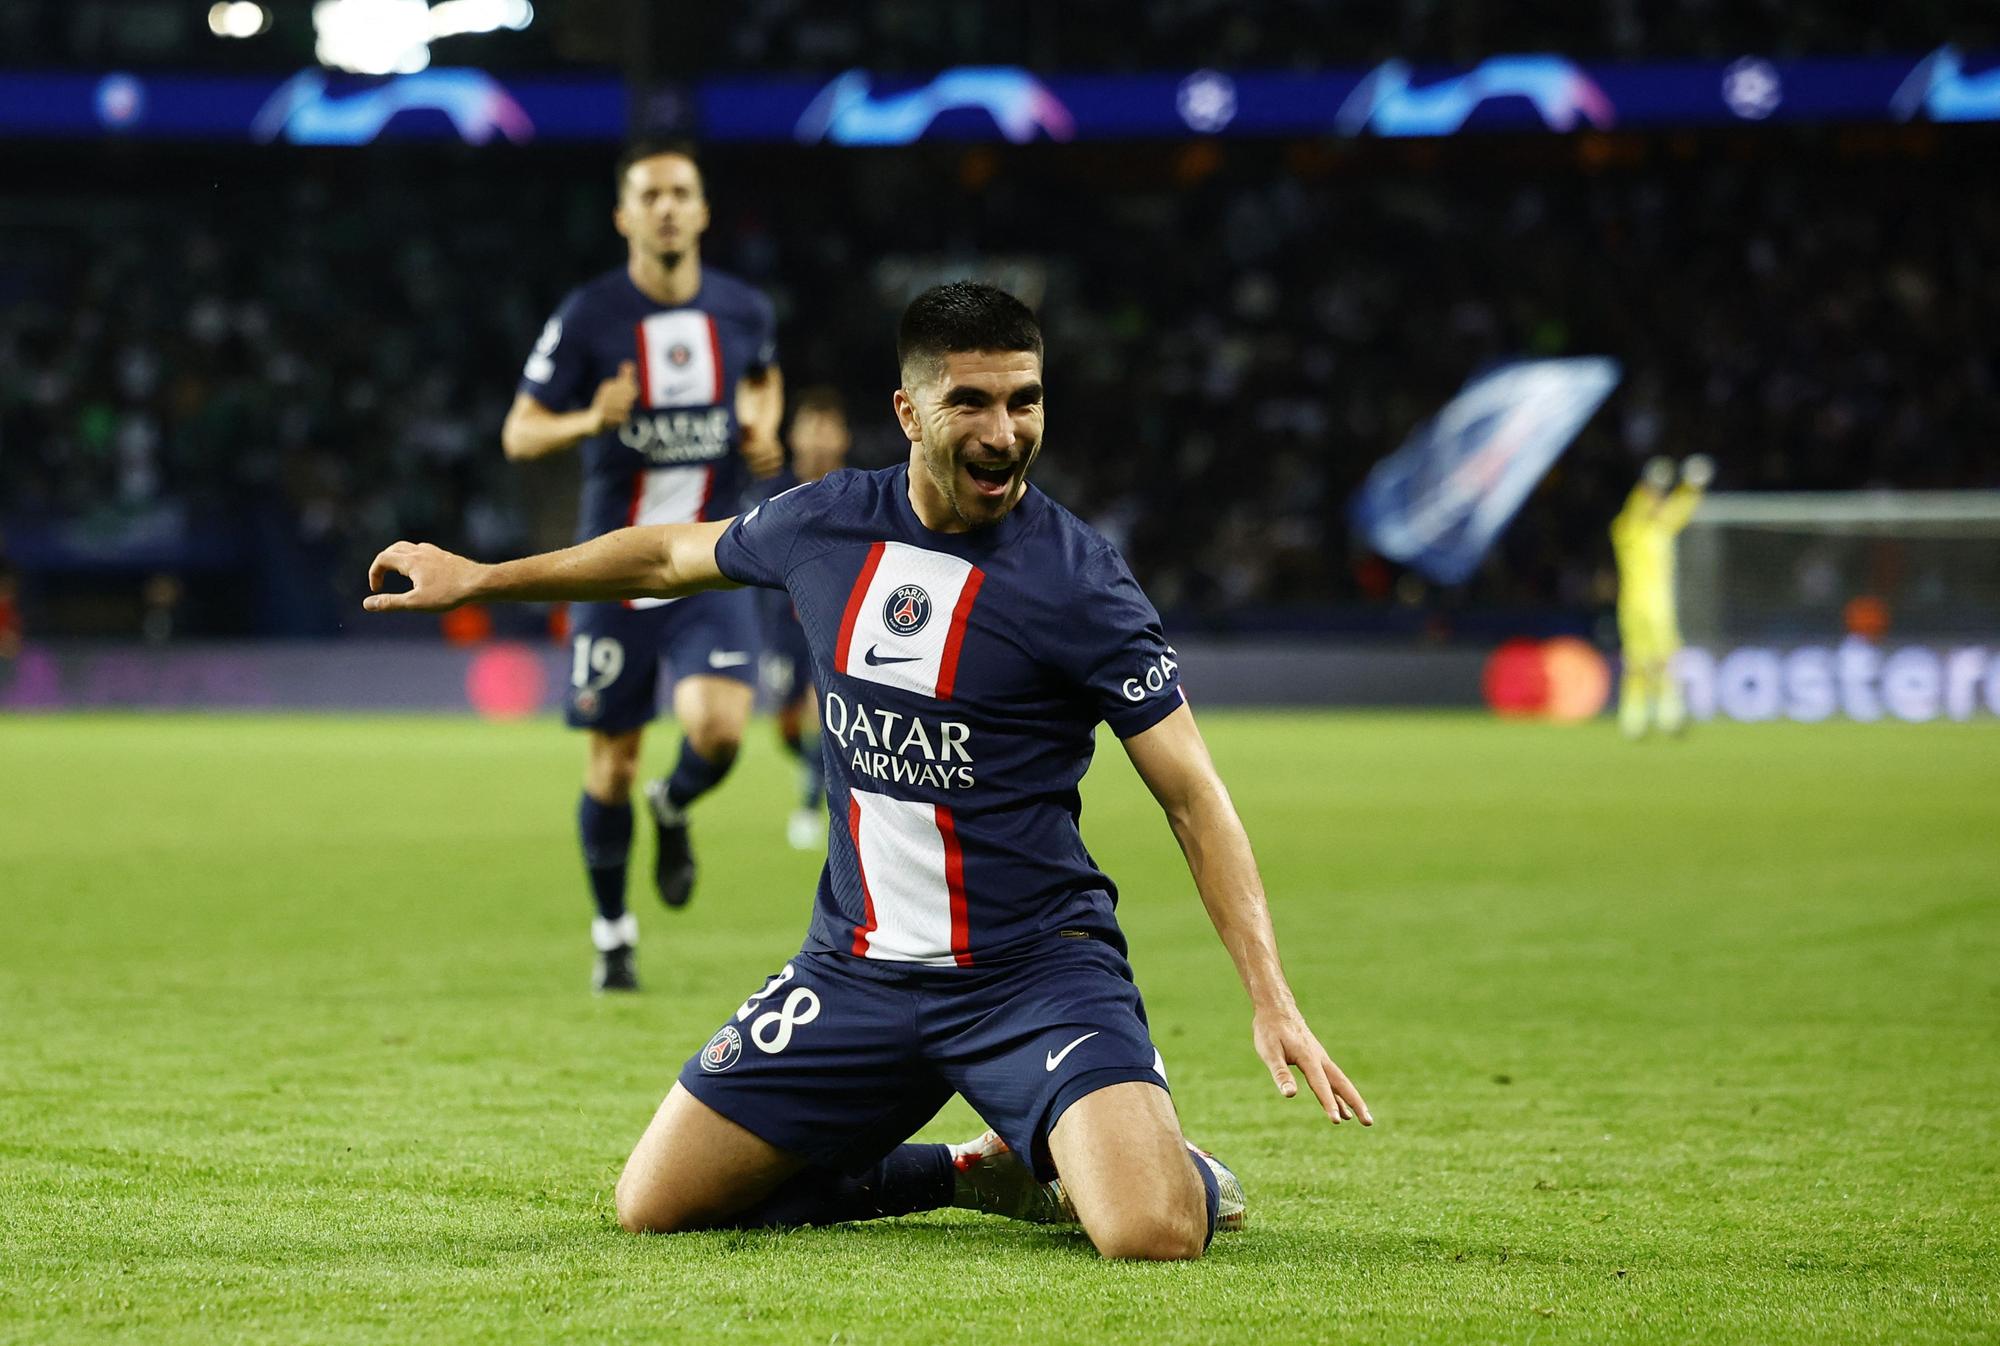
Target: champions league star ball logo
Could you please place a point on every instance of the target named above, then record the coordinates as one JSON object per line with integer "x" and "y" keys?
{"x": 723, "y": 1050}
{"x": 907, "y": 610}
{"x": 678, "y": 355}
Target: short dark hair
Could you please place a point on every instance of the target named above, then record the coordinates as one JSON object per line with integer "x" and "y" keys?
{"x": 964, "y": 316}
{"x": 822, "y": 399}
{"x": 650, "y": 147}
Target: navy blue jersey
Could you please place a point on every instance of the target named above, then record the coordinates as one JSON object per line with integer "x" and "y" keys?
{"x": 962, "y": 677}
{"x": 676, "y": 459}
{"x": 777, "y": 620}
{"x": 757, "y": 492}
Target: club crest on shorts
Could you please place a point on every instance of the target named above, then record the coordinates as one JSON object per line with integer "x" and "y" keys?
{"x": 906, "y": 610}
{"x": 587, "y": 702}
{"x": 723, "y": 1050}
{"x": 678, "y": 355}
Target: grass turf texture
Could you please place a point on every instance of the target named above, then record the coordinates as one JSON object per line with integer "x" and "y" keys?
{"x": 1681, "y": 1042}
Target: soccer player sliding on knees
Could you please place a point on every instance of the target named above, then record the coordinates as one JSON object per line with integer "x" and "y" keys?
{"x": 967, "y": 634}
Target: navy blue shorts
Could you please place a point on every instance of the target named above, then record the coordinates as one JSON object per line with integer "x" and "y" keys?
{"x": 785, "y": 673}
{"x": 785, "y": 670}
{"x": 615, "y": 654}
{"x": 840, "y": 1059}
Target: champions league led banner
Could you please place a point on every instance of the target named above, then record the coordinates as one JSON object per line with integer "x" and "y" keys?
{"x": 1394, "y": 99}
{"x": 313, "y": 107}
{"x": 1531, "y": 93}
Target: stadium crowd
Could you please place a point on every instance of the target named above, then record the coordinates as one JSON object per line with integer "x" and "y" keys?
{"x": 1235, "y": 339}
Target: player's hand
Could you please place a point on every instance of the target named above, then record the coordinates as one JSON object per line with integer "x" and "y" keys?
{"x": 764, "y": 453}
{"x": 1284, "y": 1041}
{"x": 613, "y": 401}
{"x": 1698, "y": 471}
{"x": 439, "y": 579}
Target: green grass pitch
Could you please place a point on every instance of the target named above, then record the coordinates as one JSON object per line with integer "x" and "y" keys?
{"x": 1685, "y": 1042}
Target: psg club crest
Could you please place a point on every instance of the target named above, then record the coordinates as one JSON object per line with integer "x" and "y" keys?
{"x": 908, "y": 608}
{"x": 678, "y": 355}
{"x": 586, "y": 702}
{"x": 723, "y": 1050}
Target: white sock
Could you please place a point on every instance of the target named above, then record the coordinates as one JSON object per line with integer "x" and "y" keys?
{"x": 622, "y": 933}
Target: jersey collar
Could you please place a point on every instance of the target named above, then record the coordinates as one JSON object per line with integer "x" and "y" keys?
{"x": 973, "y": 545}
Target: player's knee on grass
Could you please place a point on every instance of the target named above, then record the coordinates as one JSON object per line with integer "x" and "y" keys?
{"x": 649, "y": 1207}
{"x": 1127, "y": 1172}
{"x": 694, "y": 1168}
{"x": 1166, "y": 1230}
{"x": 649, "y": 1200}
{"x": 639, "y": 1209}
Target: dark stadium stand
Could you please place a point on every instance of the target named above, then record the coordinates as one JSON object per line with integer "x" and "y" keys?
{"x": 244, "y": 367}
{"x": 206, "y": 344}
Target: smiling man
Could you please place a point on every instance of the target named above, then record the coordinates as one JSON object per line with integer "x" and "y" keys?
{"x": 968, "y": 635}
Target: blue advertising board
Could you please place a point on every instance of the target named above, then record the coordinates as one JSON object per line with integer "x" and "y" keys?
{"x": 313, "y": 107}
{"x": 1515, "y": 93}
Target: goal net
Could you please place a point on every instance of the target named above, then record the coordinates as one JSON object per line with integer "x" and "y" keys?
{"x": 1908, "y": 567}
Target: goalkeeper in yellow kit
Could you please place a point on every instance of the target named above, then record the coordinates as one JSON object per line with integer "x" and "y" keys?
{"x": 1649, "y": 631}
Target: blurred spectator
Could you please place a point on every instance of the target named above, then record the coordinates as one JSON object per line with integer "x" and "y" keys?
{"x": 161, "y": 598}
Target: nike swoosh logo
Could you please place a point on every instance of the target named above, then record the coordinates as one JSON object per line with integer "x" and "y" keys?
{"x": 874, "y": 660}
{"x": 727, "y": 658}
{"x": 1056, "y": 1058}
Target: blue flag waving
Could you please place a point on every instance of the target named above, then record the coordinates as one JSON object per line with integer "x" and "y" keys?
{"x": 1438, "y": 502}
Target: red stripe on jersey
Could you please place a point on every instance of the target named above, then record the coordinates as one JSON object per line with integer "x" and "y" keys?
{"x": 645, "y": 369}
{"x": 867, "y": 926}
{"x": 632, "y": 511}
{"x": 954, "y": 882}
{"x": 638, "y": 497}
{"x": 853, "y": 613}
{"x": 955, "y": 639}
{"x": 715, "y": 357}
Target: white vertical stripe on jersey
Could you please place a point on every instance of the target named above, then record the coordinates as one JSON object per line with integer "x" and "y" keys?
{"x": 673, "y": 494}
{"x": 681, "y": 359}
{"x": 680, "y": 365}
{"x": 903, "y": 862}
{"x": 912, "y": 662}
{"x": 670, "y": 495}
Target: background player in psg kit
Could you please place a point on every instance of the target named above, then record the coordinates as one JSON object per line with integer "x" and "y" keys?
{"x": 967, "y": 636}
{"x": 665, "y": 372}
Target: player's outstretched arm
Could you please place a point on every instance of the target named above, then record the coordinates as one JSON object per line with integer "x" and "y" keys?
{"x": 1173, "y": 761}
{"x": 663, "y": 561}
